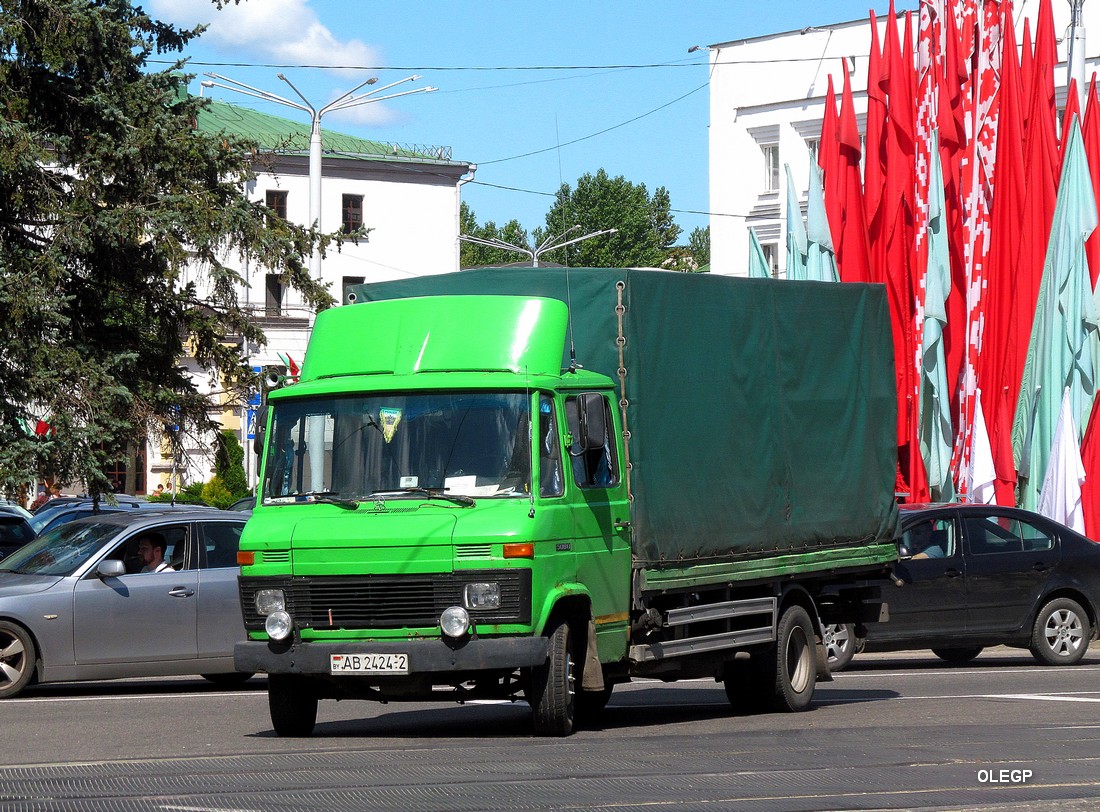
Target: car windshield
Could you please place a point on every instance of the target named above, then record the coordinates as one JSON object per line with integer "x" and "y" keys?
{"x": 60, "y": 551}
{"x": 354, "y": 448}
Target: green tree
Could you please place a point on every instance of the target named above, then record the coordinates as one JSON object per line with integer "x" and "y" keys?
{"x": 699, "y": 245}
{"x": 645, "y": 230}
{"x": 117, "y": 221}
{"x": 229, "y": 464}
{"x": 475, "y": 254}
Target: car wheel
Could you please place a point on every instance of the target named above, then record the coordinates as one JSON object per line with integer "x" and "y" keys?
{"x": 1061, "y": 633}
{"x": 958, "y": 655}
{"x": 840, "y": 645}
{"x": 790, "y": 670}
{"x": 17, "y": 658}
{"x": 553, "y": 698}
{"x": 229, "y": 678}
{"x": 292, "y": 703}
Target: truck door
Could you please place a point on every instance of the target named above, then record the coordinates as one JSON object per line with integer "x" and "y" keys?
{"x": 602, "y": 513}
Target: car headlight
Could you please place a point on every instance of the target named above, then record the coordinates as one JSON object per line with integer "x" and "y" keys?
{"x": 481, "y": 596}
{"x": 454, "y": 621}
{"x": 270, "y": 600}
{"x": 278, "y": 625}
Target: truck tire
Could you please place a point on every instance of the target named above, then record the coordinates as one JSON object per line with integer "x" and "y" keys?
{"x": 553, "y": 686}
{"x": 292, "y": 704}
{"x": 791, "y": 670}
{"x": 1061, "y": 633}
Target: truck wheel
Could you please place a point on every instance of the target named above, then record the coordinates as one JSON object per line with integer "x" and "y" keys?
{"x": 553, "y": 694}
{"x": 292, "y": 703}
{"x": 1061, "y": 633}
{"x": 17, "y": 658}
{"x": 791, "y": 670}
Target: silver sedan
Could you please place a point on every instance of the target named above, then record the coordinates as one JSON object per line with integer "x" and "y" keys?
{"x": 75, "y": 605}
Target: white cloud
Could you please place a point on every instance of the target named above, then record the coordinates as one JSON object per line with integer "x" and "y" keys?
{"x": 285, "y": 32}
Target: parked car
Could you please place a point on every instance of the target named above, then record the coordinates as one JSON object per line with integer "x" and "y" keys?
{"x": 74, "y": 604}
{"x": 972, "y": 576}
{"x": 244, "y": 503}
{"x": 7, "y": 506}
{"x": 66, "y": 509}
{"x": 15, "y": 531}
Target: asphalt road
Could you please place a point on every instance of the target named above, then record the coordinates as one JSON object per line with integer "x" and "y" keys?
{"x": 898, "y": 731}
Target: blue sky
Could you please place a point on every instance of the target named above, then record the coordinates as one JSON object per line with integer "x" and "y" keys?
{"x": 626, "y": 95}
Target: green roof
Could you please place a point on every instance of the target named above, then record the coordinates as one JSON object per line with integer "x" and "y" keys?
{"x": 287, "y": 137}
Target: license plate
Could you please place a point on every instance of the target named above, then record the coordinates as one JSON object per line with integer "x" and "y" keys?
{"x": 369, "y": 663}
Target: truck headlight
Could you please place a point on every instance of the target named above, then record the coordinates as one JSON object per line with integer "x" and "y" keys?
{"x": 481, "y": 596}
{"x": 278, "y": 625}
{"x": 270, "y": 600}
{"x": 454, "y": 621}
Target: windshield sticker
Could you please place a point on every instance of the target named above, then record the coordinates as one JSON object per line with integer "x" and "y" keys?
{"x": 389, "y": 418}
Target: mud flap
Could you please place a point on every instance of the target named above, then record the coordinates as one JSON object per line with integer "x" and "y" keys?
{"x": 823, "y": 672}
{"x": 592, "y": 678}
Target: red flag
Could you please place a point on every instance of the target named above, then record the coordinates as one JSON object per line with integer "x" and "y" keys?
{"x": 1027, "y": 64}
{"x": 873, "y": 170}
{"x": 852, "y": 249}
{"x": 1091, "y": 132}
{"x": 1046, "y": 60}
{"x": 1073, "y": 108}
{"x": 1090, "y": 458}
{"x": 996, "y": 363}
{"x": 828, "y": 158}
{"x": 42, "y": 429}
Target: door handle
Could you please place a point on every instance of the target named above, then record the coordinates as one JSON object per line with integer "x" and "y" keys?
{"x": 181, "y": 592}
{"x": 621, "y": 525}
{"x": 952, "y": 573}
{"x": 1040, "y": 566}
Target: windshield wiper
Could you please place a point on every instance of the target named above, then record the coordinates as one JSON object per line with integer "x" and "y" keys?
{"x": 431, "y": 493}
{"x": 330, "y": 498}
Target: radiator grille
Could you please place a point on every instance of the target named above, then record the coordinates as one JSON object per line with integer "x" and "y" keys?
{"x": 387, "y": 601}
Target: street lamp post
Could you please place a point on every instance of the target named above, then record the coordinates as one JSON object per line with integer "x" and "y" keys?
{"x": 1075, "y": 63}
{"x": 547, "y": 245}
{"x": 343, "y": 102}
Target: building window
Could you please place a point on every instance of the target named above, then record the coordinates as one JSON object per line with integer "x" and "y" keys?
{"x": 353, "y": 213}
{"x": 347, "y": 283}
{"x": 274, "y": 297}
{"x": 276, "y": 201}
{"x": 771, "y": 167}
{"x": 771, "y": 254}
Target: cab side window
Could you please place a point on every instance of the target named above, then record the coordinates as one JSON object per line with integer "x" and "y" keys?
{"x": 550, "y": 475}
{"x": 595, "y": 463}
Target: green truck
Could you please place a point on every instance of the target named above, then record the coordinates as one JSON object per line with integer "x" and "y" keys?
{"x": 535, "y": 484}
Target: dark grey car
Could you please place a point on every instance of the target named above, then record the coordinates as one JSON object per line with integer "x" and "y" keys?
{"x": 75, "y": 606}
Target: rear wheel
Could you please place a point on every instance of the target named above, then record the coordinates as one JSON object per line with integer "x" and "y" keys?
{"x": 958, "y": 655}
{"x": 553, "y": 686}
{"x": 1061, "y": 633}
{"x": 17, "y": 658}
{"x": 790, "y": 672}
{"x": 292, "y": 703}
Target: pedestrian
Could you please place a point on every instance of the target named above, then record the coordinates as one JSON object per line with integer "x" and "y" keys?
{"x": 42, "y": 498}
{"x": 158, "y": 490}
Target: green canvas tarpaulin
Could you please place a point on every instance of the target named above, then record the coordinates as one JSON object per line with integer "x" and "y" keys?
{"x": 761, "y": 412}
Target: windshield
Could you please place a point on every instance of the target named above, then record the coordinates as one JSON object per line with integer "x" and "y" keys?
{"x": 460, "y": 443}
{"x": 60, "y": 551}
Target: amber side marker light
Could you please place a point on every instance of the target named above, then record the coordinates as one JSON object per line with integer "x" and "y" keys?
{"x": 246, "y": 559}
{"x": 519, "y": 550}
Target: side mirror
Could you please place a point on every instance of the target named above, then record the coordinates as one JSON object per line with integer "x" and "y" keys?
{"x": 593, "y": 420}
{"x": 110, "y": 568}
{"x": 903, "y": 551}
{"x": 261, "y": 430}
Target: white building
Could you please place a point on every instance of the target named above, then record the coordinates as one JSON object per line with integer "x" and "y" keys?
{"x": 766, "y": 107}
{"x": 407, "y": 195}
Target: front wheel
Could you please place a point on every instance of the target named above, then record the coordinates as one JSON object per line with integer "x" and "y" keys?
{"x": 553, "y": 695}
{"x": 791, "y": 669}
{"x": 840, "y": 645}
{"x": 17, "y": 658}
{"x": 292, "y": 703}
{"x": 957, "y": 656}
{"x": 1061, "y": 633}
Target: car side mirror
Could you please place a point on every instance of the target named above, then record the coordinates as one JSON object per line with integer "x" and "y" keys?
{"x": 110, "y": 568}
{"x": 903, "y": 551}
{"x": 260, "y": 431}
{"x": 593, "y": 422}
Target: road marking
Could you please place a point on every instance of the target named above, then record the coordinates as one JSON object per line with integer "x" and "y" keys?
{"x": 1046, "y": 697}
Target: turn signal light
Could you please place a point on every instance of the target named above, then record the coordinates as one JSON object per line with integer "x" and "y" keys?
{"x": 519, "y": 550}
{"x": 246, "y": 558}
